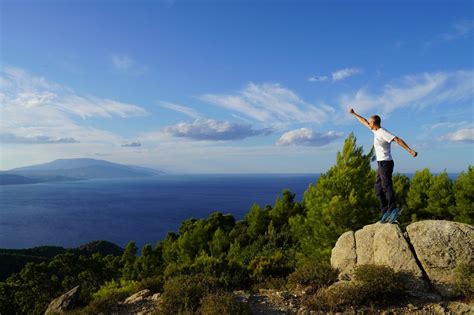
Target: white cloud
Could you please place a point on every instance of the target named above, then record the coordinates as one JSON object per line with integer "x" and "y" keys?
{"x": 415, "y": 91}
{"x": 38, "y": 139}
{"x": 270, "y": 103}
{"x": 188, "y": 111}
{"x": 212, "y": 130}
{"x": 337, "y": 75}
{"x": 319, "y": 78}
{"x": 460, "y": 135}
{"x": 459, "y": 30}
{"x": 34, "y": 110}
{"x": 307, "y": 137}
{"x": 132, "y": 145}
{"x": 345, "y": 73}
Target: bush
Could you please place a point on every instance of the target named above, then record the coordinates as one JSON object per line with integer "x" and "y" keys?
{"x": 372, "y": 284}
{"x": 116, "y": 288}
{"x": 312, "y": 273}
{"x": 276, "y": 283}
{"x": 103, "y": 304}
{"x": 182, "y": 294}
{"x": 464, "y": 279}
{"x": 379, "y": 283}
{"x": 154, "y": 284}
{"x": 222, "y": 302}
{"x": 332, "y": 298}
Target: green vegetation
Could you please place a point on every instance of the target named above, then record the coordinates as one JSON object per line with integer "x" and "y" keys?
{"x": 372, "y": 285}
{"x": 284, "y": 245}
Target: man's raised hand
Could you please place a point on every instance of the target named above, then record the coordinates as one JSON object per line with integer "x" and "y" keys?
{"x": 351, "y": 111}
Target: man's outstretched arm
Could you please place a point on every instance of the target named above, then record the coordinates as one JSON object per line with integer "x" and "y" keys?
{"x": 359, "y": 118}
{"x": 405, "y": 146}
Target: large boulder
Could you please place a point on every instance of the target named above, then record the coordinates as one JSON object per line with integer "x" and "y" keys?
{"x": 379, "y": 244}
{"x": 65, "y": 302}
{"x": 441, "y": 246}
{"x": 343, "y": 255}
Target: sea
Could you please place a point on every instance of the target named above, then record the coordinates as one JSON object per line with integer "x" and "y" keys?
{"x": 144, "y": 210}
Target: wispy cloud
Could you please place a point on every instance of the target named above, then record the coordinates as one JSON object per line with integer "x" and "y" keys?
{"x": 132, "y": 145}
{"x": 38, "y": 139}
{"x": 271, "y": 104}
{"x": 125, "y": 64}
{"x": 415, "y": 91}
{"x": 337, "y": 75}
{"x": 345, "y": 73}
{"x": 460, "y": 135}
{"x": 460, "y": 30}
{"x": 318, "y": 78}
{"x": 188, "y": 111}
{"x": 214, "y": 130}
{"x": 307, "y": 137}
{"x": 35, "y": 110}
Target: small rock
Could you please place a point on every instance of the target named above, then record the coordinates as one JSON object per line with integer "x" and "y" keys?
{"x": 137, "y": 297}
{"x": 65, "y": 302}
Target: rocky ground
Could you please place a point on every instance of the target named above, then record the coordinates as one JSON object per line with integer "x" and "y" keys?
{"x": 275, "y": 302}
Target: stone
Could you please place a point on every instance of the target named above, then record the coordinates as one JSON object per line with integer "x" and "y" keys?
{"x": 137, "y": 297}
{"x": 392, "y": 249}
{"x": 440, "y": 247}
{"x": 65, "y": 302}
{"x": 343, "y": 255}
{"x": 379, "y": 244}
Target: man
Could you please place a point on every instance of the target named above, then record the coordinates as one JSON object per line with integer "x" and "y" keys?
{"x": 383, "y": 184}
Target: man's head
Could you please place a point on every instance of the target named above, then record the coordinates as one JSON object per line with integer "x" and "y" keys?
{"x": 374, "y": 122}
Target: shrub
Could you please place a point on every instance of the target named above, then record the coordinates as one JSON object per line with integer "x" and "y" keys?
{"x": 379, "y": 283}
{"x": 464, "y": 279}
{"x": 222, "y": 302}
{"x": 332, "y": 298}
{"x": 276, "y": 283}
{"x": 372, "y": 284}
{"x": 116, "y": 288}
{"x": 312, "y": 273}
{"x": 103, "y": 304}
{"x": 154, "y": 284}
{"x": 182, "y": 294}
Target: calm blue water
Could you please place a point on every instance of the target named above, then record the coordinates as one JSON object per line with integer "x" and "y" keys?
{"x": 144, "y": 210}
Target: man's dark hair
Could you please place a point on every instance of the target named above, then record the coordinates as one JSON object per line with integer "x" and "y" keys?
{"x": 376, "y": 119}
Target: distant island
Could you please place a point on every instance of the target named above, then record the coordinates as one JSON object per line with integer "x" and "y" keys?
{"x": 73, "y": 170}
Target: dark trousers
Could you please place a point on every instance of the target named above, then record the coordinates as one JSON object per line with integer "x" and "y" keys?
{"x": 384, "y": 186}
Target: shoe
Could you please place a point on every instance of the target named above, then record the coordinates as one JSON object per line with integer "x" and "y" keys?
{"x": 394, "y": 215}
{"x": 385, "y": 216}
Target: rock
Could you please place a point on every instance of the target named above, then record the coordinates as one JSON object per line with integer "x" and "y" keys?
{"x": 441, "y": 246}
{"x": 343, "y": 255}
{"x": 364, "y": 240}
{"x": 392, "y": 249}
{"x": 460, "y": 308}
{"x": 65, "y": 302}
{"x": 137, "y": 297}
{"x": 380, "y": 244}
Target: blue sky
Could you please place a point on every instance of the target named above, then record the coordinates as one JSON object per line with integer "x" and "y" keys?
{"x": 235, "y": 86}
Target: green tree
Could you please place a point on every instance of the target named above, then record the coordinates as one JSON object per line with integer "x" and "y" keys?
{"x": 257, "y": 221}
{"x": 128, "y": 261}
{"x": 417, "y": 197}
{"x": 440, "y": 197}
{"x": 342, "y": 199}
{"x": 464, "y": 195}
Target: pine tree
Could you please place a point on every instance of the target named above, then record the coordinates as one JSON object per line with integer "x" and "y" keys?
{"x": 441, "y": 198}
{"x": 417, "y": 197}
{"x": 464, "y": 194}
{"x": 343, "y": 199}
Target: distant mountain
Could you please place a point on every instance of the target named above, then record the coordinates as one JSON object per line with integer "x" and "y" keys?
{"x": 73, "y": 169}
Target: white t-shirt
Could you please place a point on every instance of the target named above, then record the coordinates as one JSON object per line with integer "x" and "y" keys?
{"x": 382, "y": 139}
